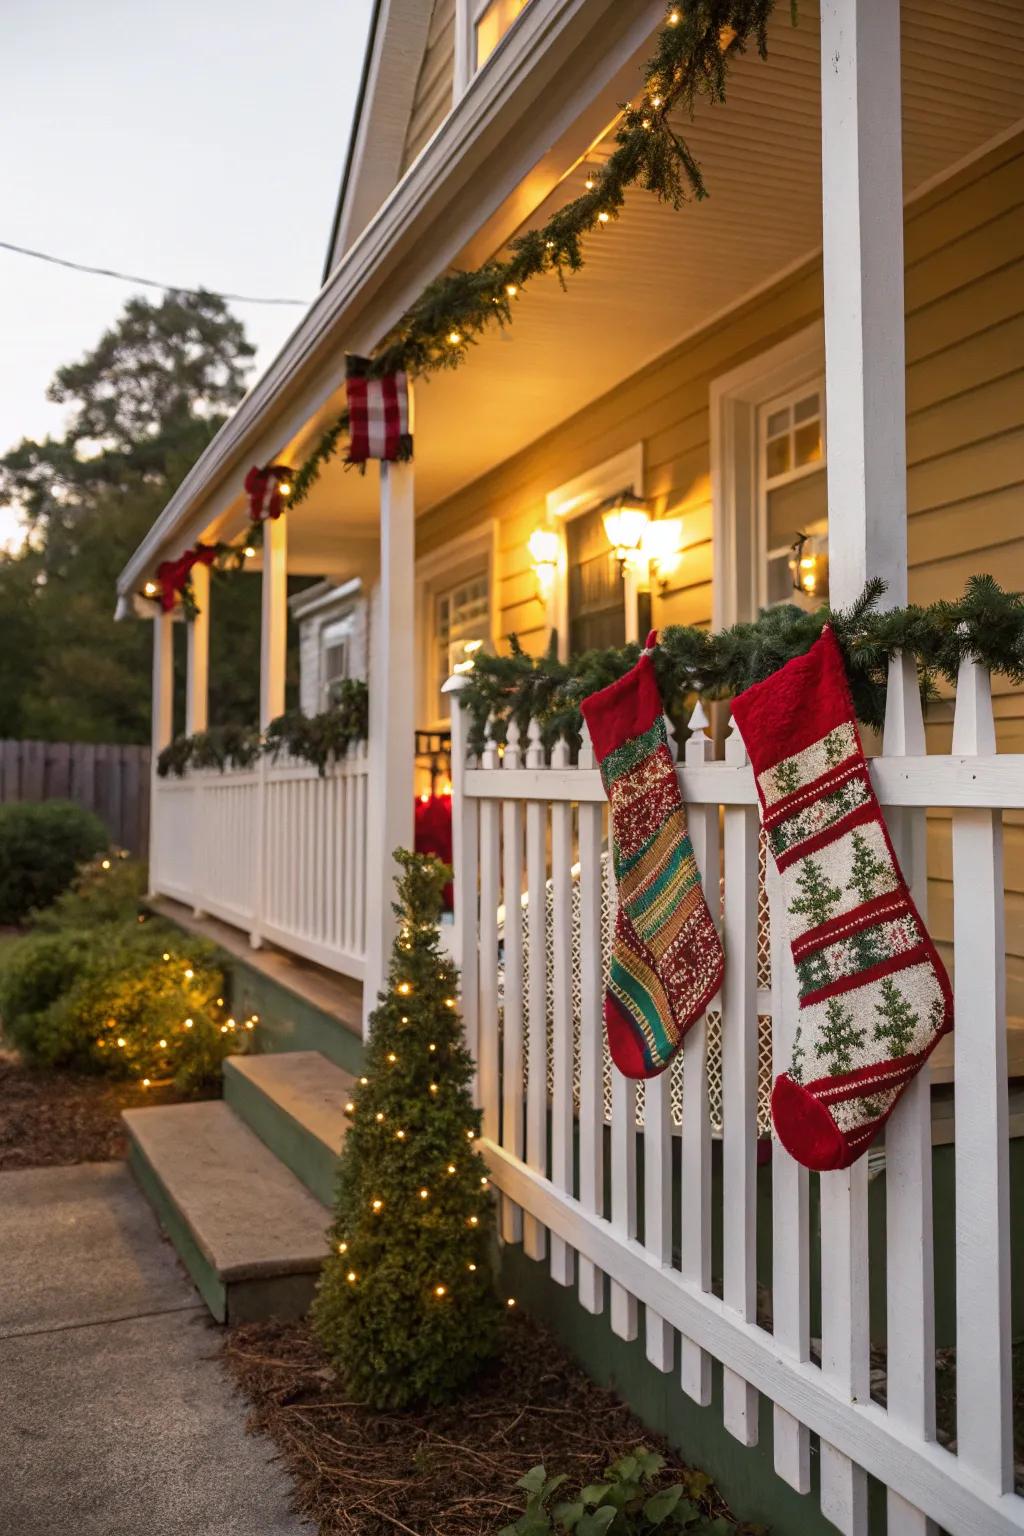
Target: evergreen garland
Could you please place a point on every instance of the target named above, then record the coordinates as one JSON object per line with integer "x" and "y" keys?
{"x": 312, "y": 739}
{"x": 406, "y": 1304}
{"x": 985, "y": 623}
{"x": 695, "y": 51}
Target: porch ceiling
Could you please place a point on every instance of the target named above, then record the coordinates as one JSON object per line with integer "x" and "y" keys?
{"x": 656, "y": 276}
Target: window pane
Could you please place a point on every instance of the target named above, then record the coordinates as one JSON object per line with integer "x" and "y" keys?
{"x": 778, "y": 422}
{"x": 807, "y": 443}
{"x": 806, "y": 408}
{"x": 798, "y": 507}
{"x": 493, "y": 25}
{"x": 777, "y": 460}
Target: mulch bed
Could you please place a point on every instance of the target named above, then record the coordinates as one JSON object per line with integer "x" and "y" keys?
{"x": 439, "y": 1471}
{"x": 52, "y": 1119}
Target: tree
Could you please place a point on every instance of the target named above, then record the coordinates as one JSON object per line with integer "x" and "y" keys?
{"x": 406, "y": 1303}
{"x": 867, "y": 869}
{"x": 818, "y": 896}
{"x": 142, "y": 407}
{"x": 897, "y": 1020}
{"x": 839, "y": 1037}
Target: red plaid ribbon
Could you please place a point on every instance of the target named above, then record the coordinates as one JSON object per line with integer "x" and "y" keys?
{"x": 378, "y": 414}
{"x": 263, "y": 488}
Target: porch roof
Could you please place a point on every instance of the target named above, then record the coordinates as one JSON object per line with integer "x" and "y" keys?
{"x": 651, "y": 279}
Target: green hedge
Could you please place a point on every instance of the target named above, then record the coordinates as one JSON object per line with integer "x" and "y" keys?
{"x": 41, "y": 846}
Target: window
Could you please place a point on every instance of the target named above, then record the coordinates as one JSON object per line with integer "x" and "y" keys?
{"x": 597, "y": 593}
{"x": 335, "y": 658}
{"x": 492, "y": 22}
{"x": 792, "y": 491}
{"x": 462, "y": 626}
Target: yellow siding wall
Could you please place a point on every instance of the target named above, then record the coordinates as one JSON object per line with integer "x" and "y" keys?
{"x": 433, "y": 97}
{"x": 965, "y": 433}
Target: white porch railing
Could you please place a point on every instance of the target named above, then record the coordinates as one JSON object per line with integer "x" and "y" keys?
{"x": 570, "y": 1189}
{"x": 276, "y": 849}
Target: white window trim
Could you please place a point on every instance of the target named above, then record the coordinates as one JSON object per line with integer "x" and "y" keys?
{"x": 735, "y": 399}
{"x": 467, "y": 14}
{"x": 434, "y": 572}
{"x": 624, "y": 472}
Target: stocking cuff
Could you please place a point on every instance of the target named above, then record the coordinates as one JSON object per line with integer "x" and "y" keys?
{"x": 626, "y": 708}
{"x": 796, "y": 706}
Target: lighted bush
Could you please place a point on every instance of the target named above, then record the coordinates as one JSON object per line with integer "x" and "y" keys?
{"x": 41, "y": 846}
{"x": 108, "y": 889}
{"x": 127, "y": 1000}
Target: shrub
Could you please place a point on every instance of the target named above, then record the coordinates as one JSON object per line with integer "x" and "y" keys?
{"x": 41, "y": 846}
{"x": 631, "y": 1499}
{"x": 406, "y": 1304}
{"x": 108, "y": 889}
{"x": 119, "y": 998}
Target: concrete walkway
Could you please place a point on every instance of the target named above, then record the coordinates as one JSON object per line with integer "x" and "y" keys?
{"x": 116, "y": 1418}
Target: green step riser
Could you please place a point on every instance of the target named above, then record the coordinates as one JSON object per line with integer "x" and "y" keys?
{"x": 305, "y": 1155}
{"x": 205, "y": 1278}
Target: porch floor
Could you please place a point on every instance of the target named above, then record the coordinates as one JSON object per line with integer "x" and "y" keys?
{"x": 339, "y": 996}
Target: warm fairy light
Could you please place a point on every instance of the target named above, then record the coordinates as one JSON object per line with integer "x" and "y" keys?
{"x": 471, "y": 1268}
{"x": 105, "y": 864}
{"x": 399, "y": 1135}
{"x": 379, "y": 1116}
{"x": 364, "y": 1081}
{"x": 121, "y": 1041}
{"x": 378, "y": 1205}
{"x": 449, "y": 1002}
{"x": 343, "y": 1247}
{"x": 483, "y": 1181}
{"x": 589, "y": 183}
{"x": 474, "y": 1221}
{"x": 151, "y": 589}
{"x": 431, "y": 1046}
{"x": 673, "y": 18}
{"x": 511, "y": 290}
{"x": 603, "y": 218}
{"x": 232, "y": 1024}
{"x": 248, "y": 551}
{"x": 189, "y": 973}
{"x": 433, "y": 1087}
{"x": 220, "y": 1002}
{"x": 188, "y": 1023}
{"x": 454, "y": 337}
{"x": 223, "y": 1029}
{"x": 166, "y": 955}
{"x": 405, "y": 1018}
{"x": 440, "y": 1290}
{"x": 511, "y": 1302}
{"x": 284, "y": 488}
{"x": 392, "y": 1057}
{"x": 655, "y": 101}
{"x": 255, "y": 1018}
{"x": 424, "y": 1194}
{"x": 349, "y": 1107}
{"x": 471, "y": 1134}
{"x": 250, "y": 1023}
{"x": 405, "y": 988}
{"x": 351, "y": 1277}
{"x": 162, "y": 1044}
{"x": 451, "y": 1167}
{"x": 145, "y": 1082}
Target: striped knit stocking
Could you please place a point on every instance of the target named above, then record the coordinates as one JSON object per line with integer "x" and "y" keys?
{"x": 874, "y": 996}
{"x": 666, "y": 957}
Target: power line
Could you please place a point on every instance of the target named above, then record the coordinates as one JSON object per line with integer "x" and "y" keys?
{"x": 145, "y": 282}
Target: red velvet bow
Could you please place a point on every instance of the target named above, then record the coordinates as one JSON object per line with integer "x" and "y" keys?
{"x": 173, "y": 575}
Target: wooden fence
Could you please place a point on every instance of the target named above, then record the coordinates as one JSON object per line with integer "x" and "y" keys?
{"x": 588, "y": 1187}
{"x": 111, "y": 780}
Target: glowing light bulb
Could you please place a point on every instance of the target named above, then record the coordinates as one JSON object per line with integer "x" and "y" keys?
{"x": 451, "y": 1167}
{"x": 589, "y": 183}
{"x": 121, "y": 1041}
{"x": 220, "y": 1002}
{"x": 440, "y": 1290}
{"x": 433, "y": 1087}
{"x": 603, "y": 218}
{"x": 431, "y": 1046}
{"x": 454, "y": 337}
{"x": 474, "y": 1221}
{"x": 248, "y": 551}
{"x": 404, "y": 988}
{"x": 511, "y": 1302}
{"x": 166, "y": 955}
{"x": 549, "y": 245}
{"x": 189, "y": 974}
{"x": 349, "y": 1107}
{"x": 483, "y": 1181}
{"x": 424, "y": 1194}
{"x": 162, "y": 1044}
{"x": 471, "y": 1268}
{"x": 351, "y": 1277}
{"x": 673, "y": 18}
{"x": 449, "y": 1002}
{"x": 145, "y": 1082}
{"x": 470, "y": 1135}
{"x": 255, "y": 1018}
{"x": 378, "y": 1205}
{"x": 364, "y": 1081}
{"x": 188, "y": 1023}
{"x": 250, "y": 1024}
{"x": 105, "y": 864}
{"x": 150, "y": 589}
{"x": 399, "y": 1135}
{"x": 343, "y": 1247}
{"x": 511, "y": 289}
{"x": 392, "y": 1057}
{"x": 379, "y": 1116}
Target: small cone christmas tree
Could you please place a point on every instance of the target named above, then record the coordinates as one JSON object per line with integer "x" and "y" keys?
{"x": 406, "y": 1305}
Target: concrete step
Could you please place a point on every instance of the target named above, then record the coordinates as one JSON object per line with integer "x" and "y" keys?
{"x": 250, "y": 1235}
{"x": 295, "y": 1102}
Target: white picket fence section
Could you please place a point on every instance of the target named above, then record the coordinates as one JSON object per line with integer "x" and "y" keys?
{"x": 276, "y": 849}
{"x": 527, "y": 823}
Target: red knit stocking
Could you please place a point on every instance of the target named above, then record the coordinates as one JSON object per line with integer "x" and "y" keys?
{"x": 874, "y": 996}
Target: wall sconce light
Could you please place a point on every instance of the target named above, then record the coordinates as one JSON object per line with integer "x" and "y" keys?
{"x": 808, "y": 565}
{"x": 662, "y": 547}
{"x": 544, "y": 546}
{"x": 625, "y": 519}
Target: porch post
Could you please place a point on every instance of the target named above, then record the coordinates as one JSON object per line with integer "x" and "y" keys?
{"x": 197, "y": 674}
{"x": 163, "y": 682}
{"x": 392, "y": 719}
{"x": 862, "y": 217}
{"x": 274, "y": 631}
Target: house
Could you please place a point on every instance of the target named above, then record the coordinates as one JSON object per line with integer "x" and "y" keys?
{"x": 787, "y": 383}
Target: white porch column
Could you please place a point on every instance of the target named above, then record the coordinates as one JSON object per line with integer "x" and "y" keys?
{"x": 862, "y": 214}
{"x": 197, "y": 673}
{"x": 163, "y": 682}
{"x": 274, "y": 633}
{"x": 392, "y": 719}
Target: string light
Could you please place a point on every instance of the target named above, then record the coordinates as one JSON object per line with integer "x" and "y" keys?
{"x": 424, "y": 1194}
{"x": 399, "y": 1135}
{"x": 378, "y": 1205}
{"x": 343, "y": 1247}
{"x": 248, "y": 551}
{"x": 471, "y": 1268}
{"x": 440, "y": 1290}
{"x": 351, "y": 1277}
{"x": 364, "y": 1081}
{"x": 392, "y": 1057}
{"x": 449, "y": 1002}
{"x": 511, "y": 289}
{"x": 483, "y": 1182}
{"x": 470, "y": 1135}
{"x": 162, "y": 1044}
{"x": 603, "y": 218}
{"x": 474, "y": 1221}
{"x": 433, "y": 1087}
{"x": 121, "y": 1041}
{"x": 349, "y": 1107}
{"x": 166, "y": 955}
{"x": 105, "y": 864}
{"x": 145, "y": 1082}
{"x": 673, "y": 18}
{"x": 379, "y": 1116}
{"x": 454, "y": 337}
{"x": 511, "y": 1302}
{"x": 404, "y": 988}
{"x": 188, "y": 1023}
{"x": 431, "y": 1046}
{"x": 189, "y": 974}
{"x": 250, "y": 1023}
{"x": 451, "y": 1167}
{"x": 589, "y": 183}
{"x": 150, "y": 589}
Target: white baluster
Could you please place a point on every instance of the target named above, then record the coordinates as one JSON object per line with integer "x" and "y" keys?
{"x": 696, "y": 1130}
{"x": 983, "y": 1330}
{"x": 739, "y": 1091}
{"x": 512, "y": 1056}
{"x": 490, "y": 866}
{"x": 591, "y": 814}
{"x": 465, "y": 860}
{"x": 534, "y": 1235}
{"x": 910, "y": 1276}
{"x": 562, "y": 1266}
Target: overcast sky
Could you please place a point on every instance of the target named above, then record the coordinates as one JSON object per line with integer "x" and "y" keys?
{"x": 198, "y": 143}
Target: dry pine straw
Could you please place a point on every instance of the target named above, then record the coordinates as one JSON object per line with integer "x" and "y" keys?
{"x": 447, "y": 1471}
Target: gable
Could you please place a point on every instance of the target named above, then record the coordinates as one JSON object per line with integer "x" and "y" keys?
{"x": 433, "y": 96}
